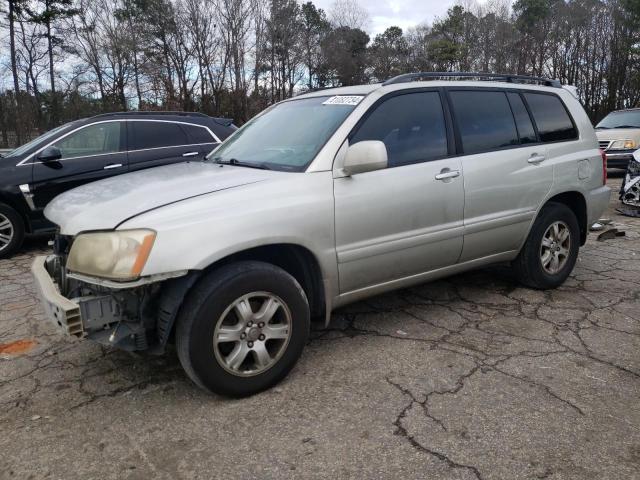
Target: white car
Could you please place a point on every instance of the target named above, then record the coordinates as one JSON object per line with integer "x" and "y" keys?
{"x": 322, "y": 200}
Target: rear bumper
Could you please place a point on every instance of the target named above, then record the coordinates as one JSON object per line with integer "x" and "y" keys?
{"x": 597, "y": 202}
{"x": 61, "y": 311}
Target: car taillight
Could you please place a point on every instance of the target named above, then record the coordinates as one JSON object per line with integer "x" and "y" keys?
{"x": 604, "y": 167}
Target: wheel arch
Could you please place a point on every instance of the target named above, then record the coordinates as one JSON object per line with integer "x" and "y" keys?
{"x": 578, "y": 205}
{"x": 296, "y": 260}
{"x": 7, "y": 200}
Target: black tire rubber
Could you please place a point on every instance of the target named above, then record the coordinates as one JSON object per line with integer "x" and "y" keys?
{"x": 204, "y": 305}
{"x": 527, "y": 266}
{"x": 18, "y": 231}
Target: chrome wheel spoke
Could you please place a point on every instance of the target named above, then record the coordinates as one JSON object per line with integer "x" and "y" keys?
{"x": 276, "y": 332}
{"x": 243, "y": 310}
{"x": 228, "y": 333}
{"x": 267, "y": 310}
{"x": 555, "y": 263}
{"x": 5, "y": 224}
{"x": 237, "y": 356}
{"x": 4, "y": 239}
{"x": 547, "y": 242}
{"x": 564, "y": 234}
{"x": 261, "y": 355}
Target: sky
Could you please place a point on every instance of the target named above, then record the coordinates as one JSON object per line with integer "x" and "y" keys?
{"x": 401, "y": 13}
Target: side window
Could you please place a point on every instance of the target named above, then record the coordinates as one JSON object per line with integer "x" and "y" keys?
{"x": 484, "y": 120}
{"x": 156, "y": 134}
{"x": 198, "y": 134}
{"x": 411, "y": 126}
{"x": 551, "y": 117}
{"x": 95, "y": 139}
{"x": 523, "y": 120}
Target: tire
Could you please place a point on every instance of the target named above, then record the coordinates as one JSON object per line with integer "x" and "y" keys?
{"x": 529, "y": 267}
{"x": 11, "y": 231}
{"x": 215, "y": 328}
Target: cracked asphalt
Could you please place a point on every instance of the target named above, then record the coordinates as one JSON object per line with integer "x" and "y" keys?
{"x": 472, "y": 377}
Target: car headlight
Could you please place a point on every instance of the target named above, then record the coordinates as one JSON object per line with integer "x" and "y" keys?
{"x": 623, "y": 145}
{"x": 117, "y": 255}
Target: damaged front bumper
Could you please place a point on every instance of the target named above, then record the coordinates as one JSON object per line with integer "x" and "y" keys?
{"x": 131, "y": 317}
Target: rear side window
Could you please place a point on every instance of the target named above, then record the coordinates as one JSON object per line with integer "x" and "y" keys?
{"x": 411, "y": 126}
{"x": 551, "y": 117}
{"x": 523, "y": 120}
{"x": 198, "y": 134}
{"x": 484, "y": 120}
{"x": 156, "y": 134}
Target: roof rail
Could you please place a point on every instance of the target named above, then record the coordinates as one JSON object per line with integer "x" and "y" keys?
{"x": 147, "y": 112}
{"x": 496, "y": 77}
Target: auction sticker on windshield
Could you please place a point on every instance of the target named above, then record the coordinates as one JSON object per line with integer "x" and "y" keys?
{"x": 344, "y": 100}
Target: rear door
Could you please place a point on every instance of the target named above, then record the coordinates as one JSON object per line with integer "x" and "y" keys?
{"x": 506, "y": 172}
{"x": 161, "y": 142}
{"x": 406, "y": 219}
{"x": 89, "y": 153}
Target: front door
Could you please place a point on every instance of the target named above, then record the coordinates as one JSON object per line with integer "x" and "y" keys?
{"x": 88, "y": 154}
{"x": 408, "y": 218}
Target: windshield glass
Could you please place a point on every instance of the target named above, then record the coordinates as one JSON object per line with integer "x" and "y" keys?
{"x": 288, "y": 136}
{"x": 625, "y": 119}
{"x": 27, "y": 146}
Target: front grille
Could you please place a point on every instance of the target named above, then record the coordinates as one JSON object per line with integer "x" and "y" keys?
{"x": 604, "y": 144}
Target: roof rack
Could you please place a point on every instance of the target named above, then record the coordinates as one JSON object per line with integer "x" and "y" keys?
{"x": 147, "y": 112}
{"x": 495, "y": 77}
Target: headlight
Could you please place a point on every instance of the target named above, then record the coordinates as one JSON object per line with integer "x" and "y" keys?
{"x": 114, "y": 255}
{"x": 623, "y": 145}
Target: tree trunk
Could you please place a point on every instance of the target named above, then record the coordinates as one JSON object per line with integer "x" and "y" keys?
{"x": 14, "y": 69}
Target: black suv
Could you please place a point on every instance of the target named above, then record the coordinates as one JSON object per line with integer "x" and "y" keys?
{"x": 86, "y": 150}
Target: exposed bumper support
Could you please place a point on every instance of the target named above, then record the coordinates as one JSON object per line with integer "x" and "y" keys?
{"x": 61, "y": 311}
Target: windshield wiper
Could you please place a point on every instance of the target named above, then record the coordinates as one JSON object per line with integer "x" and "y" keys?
{"x": 603, "y": 128}
{"x": 626, "y": 126}
{"x": 239, "y": 163}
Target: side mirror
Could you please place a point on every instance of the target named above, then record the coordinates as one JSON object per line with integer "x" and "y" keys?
{"x": 636, "y": 155}
{"x": 50, "y": 154}
{"x": 365, "y": 156}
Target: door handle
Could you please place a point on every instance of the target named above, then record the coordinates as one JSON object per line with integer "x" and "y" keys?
{"x": 112, "y": 166}
{"x": 190, "y": 154}
{"x": 536, "y": 158}
{"x": 446, "y": 173}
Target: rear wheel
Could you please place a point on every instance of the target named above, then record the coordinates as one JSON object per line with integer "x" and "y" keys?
{"x": 11, "y": 231}
{"x": 551, "y": 250}
{"x": 242, "y": 328}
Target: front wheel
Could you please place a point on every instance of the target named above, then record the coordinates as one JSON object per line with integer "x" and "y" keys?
{"x": 551, "y": 249}
{"x": 242, "y": 328}
{"x": 11, "y": 231}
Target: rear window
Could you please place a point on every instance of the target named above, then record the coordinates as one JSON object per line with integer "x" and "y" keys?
{"x": 551, "y": 117}
{"x": 198, "y": 134}
{"x": 484, "y": 120}
{"x": 156, "y": 134}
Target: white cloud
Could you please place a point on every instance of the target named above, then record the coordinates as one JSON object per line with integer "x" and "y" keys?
{"x": 401, "y": 13}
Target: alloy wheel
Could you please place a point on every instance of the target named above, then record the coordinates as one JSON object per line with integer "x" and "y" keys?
{"x": 555, "y": 247}
{"x": 6, "y": 232}
{"x": 252, "y": 334}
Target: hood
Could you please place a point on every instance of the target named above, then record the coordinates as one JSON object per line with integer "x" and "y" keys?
{"x": 608, "y": 134}
{"x": 105, "y": 204}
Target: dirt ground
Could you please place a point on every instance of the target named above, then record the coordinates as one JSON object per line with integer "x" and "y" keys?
{"x": 472, "y": 377}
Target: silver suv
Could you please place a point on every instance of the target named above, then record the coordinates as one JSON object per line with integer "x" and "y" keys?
{"x": 322, "y": 200}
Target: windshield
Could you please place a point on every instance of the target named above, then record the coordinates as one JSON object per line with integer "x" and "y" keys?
{"x": 288, "y": 136}
{"x": 624, "y": 119}
{"x": 42, "y": 138}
